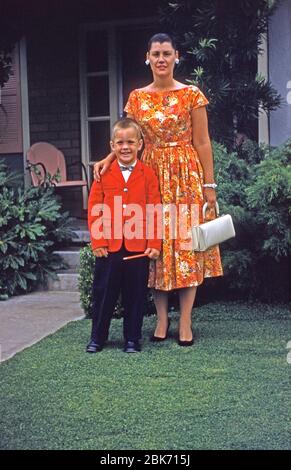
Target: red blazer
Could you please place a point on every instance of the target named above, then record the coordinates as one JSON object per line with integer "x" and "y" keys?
{"x": 113, "y": 219}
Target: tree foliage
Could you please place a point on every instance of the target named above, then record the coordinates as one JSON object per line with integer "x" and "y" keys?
{"x": 220, "y": 41}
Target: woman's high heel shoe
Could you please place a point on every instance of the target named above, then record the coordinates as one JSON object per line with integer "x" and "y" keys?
{"x": 186, "y": 343}
{"x": 158, "y": 339}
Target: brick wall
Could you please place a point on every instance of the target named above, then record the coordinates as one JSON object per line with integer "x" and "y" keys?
{"x": 54, "y": 102}
{"x": 53, "y": 85}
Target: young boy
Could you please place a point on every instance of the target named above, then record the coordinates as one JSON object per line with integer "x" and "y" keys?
{"x": 126, "y": 188}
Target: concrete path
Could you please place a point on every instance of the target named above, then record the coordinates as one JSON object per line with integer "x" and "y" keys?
{"x": 26, "y": 319}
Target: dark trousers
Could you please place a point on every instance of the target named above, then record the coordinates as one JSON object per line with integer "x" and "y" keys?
{"x": 113, "y": 275}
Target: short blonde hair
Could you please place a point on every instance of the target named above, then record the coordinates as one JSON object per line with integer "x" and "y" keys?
{"x": 125, "y": 123}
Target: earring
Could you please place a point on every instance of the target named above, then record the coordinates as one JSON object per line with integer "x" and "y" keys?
{"x": 177, "y": 61}
{"x": 147, "y": 62}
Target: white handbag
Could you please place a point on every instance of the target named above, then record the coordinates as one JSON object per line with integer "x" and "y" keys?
{"x": 213, "y": 232}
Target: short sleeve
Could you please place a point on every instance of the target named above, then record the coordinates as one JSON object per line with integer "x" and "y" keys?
{"x": 198, "y": 99}
{"x": 131, "y": 105}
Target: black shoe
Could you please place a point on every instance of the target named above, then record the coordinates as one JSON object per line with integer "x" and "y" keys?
{"x": 94, "y": 347}
{"x": 186, "y": 343}
{"x": 131, "y": 347}
{"x": 158, "y": 339}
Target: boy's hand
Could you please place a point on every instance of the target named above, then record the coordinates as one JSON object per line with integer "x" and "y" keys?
{"x": 152, "y": 253}
{"x": 100, "y": 252}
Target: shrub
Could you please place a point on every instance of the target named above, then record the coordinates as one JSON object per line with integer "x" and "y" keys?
{"x": 253, "y": 187}
{"x": 86, "y": 271}
{"x": 31, "y": 226}
{"x": 268, "y": 198}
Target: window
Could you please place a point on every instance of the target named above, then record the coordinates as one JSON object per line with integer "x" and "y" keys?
{"x": 10, "y": 111}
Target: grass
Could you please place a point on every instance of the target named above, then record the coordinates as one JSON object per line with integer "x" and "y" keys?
{"x": 229, "y": 391}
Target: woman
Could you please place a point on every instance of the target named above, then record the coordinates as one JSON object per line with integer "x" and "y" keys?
{"x": 173, "y": 120}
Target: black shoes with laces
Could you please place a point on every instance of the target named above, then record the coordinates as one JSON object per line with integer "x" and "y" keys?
{"x": 94, "y": 347}
{"x": 131, "y": 347}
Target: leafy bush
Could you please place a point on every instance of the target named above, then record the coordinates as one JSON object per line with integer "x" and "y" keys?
{"x": 31, "y": 226}
{"x": 253, "y": 187}
{"x": 268, "y": 198}
{"x": 44, "y": 179}
{"x": 86, "y": 271}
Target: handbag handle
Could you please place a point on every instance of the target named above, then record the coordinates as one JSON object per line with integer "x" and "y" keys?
{"x": 205, "y": 208}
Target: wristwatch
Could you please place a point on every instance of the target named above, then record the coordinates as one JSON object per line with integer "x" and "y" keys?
{"x": 210, "y": 185}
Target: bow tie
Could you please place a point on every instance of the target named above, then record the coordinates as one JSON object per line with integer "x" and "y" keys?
{"x": 126, "y": 168}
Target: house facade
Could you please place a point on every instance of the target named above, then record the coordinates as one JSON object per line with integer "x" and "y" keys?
{"x": 74, "y": 69}
{"x": 72, "y": 74}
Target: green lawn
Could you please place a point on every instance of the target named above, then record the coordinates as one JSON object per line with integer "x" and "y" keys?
{"x": 231, "y": 390}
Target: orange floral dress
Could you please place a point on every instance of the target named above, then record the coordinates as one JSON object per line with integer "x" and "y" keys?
{"x": 165, "y": 121}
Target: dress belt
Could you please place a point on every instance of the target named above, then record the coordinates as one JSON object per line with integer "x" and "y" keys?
{"x": 169, "y": 144}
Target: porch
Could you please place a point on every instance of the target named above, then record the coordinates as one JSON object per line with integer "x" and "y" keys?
{"x": 73, "y": 71}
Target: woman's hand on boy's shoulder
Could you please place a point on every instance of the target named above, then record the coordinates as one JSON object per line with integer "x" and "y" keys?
{"x": 102, "y": 166}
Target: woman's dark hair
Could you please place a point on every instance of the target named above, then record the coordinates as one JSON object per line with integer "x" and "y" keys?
{"x": 161, "y": 37}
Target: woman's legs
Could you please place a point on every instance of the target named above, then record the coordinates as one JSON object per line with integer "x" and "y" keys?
{"x": 161, "y": 303}
{"x": 187, "y": 298}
